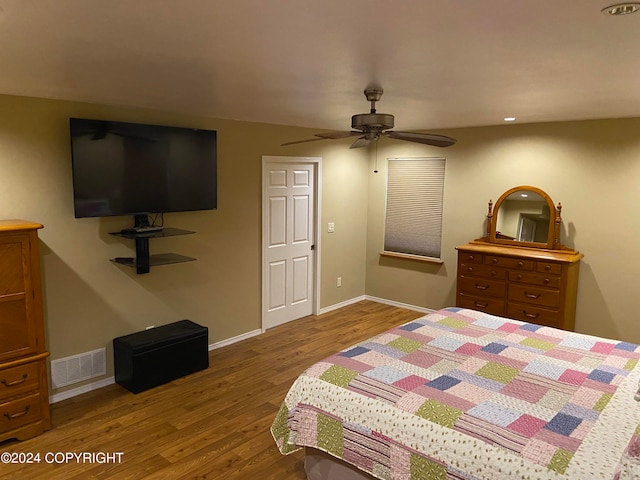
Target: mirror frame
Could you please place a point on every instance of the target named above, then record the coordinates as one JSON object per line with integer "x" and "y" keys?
{"x": 553, "y": 237}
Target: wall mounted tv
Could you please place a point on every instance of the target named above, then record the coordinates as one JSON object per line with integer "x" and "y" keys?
{"x": 134, "y": 169}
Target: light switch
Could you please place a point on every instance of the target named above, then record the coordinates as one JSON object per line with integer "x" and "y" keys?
{"x": 331, "y": 227}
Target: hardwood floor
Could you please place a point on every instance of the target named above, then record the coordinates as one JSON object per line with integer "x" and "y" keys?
{"x": 213, "y": 424}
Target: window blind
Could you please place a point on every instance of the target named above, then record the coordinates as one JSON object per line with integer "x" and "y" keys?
{"x": 413, "y": 219}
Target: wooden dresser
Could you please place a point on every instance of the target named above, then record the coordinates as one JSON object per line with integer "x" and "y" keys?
{"x": 519, "y": 269}
{"x": 24, "y": 393}
{"x": 528, "y": 284}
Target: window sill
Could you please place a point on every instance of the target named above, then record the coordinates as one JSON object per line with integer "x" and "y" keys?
{"x": 408, "y": 256}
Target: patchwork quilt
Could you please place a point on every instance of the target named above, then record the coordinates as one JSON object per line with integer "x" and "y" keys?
{"x": 460, "y": 394}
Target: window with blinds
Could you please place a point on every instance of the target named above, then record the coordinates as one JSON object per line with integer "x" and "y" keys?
{"x": 413, "y": 218}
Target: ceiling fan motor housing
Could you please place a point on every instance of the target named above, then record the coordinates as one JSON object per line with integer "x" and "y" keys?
{"x": 372, "y": 121}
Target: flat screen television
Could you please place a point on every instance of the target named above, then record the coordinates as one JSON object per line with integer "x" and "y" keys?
{"x": 124, "y": 168}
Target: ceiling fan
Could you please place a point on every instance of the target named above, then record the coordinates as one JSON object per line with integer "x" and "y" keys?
{"x": 370, "y": 126}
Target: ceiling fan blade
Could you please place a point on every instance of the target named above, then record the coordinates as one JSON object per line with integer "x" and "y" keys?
{"x": 361, "y": 142}
{"x": 337, "y": 135}
{"x": 302, "y": 141}
{"x": 325, "y": 136}
{"x": 425, "y": 138}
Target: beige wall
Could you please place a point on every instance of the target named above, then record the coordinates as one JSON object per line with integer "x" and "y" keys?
{"x": 591, "y": 167}
{"x": 89, "y": 300}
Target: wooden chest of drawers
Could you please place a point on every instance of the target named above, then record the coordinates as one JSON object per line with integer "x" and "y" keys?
{"x": 532, "y": 285}
{"x": 24, "y": 392}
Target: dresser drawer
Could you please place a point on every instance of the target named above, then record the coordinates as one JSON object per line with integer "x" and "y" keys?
{"x": 468, "y": 257}
{"x": 493, "y": 306}
{"x": 486, "y": 271}
{"x": 19, "y": 412}
{"x": 535, "y": 279}
{"x": 534, "y": 314}
{"x": 16, "y": 381}
{"x": 482, "y": 287}
{"x": 534, "y": 295}
{"x": 508, "y": 262}
{"x": 548, "y": 267}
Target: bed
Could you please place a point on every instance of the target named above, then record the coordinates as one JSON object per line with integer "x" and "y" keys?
{"x": 460, "y": 394}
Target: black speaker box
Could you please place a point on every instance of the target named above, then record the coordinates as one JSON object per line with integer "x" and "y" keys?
{"x": 146, "y": 359}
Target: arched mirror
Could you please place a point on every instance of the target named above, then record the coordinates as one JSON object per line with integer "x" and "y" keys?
{"x": 524, "y": 216}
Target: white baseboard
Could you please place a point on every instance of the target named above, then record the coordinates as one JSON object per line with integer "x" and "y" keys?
{"x": 399, "y": 304}
{"x": 236, "y": 339}
{"x": 375, "y": 299}
{"x": 341, "y": 304}
{"x": 57, "y": 397}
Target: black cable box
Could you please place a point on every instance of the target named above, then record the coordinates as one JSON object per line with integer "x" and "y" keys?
{"x": 140, "y": 230}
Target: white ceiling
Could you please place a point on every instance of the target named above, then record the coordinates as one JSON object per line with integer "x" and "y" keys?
{"x": 442, "y": 63}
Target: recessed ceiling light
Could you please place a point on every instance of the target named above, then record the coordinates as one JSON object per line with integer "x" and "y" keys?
{"x": 621, "y": 9}
{"x": 509, "y": 119}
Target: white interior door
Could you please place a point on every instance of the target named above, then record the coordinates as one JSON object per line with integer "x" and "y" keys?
{"x": 289, "y": 247}
{"x": 527, "y": 231}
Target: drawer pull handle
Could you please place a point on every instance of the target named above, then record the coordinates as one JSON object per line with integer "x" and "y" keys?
{"x": 471, "y": 257}
{"x": 530, "y": 315}
{"x": 547, "y": 267}
{"x": 546, "y": 280}
{"x": 481, "y": 305}
{"x": 12, "y": 416}
{"x": 532, "y": 295}
{"x": 494, "y": 260}
{"x": 482, "y": 287}
{"x": 469, "y": 269}
{"x": 519, "y": 276}
{"x": 520, "y": 264}
{"x": 15, "y": 382}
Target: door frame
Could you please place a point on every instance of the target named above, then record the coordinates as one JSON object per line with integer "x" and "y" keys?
{"x": 316, "y": 162}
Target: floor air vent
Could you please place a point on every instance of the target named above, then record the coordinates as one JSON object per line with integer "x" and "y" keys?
{"x": 73, "y": 369}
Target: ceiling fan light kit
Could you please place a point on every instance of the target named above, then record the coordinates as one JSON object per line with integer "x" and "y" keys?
{"x": 371, "y": 126}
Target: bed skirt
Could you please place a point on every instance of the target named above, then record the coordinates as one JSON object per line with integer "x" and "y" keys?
{"x": 321, "y": 466}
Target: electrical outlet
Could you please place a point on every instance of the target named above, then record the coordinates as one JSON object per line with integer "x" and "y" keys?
{"x": 331, "y": 227}
{"x": 339, "y": 282}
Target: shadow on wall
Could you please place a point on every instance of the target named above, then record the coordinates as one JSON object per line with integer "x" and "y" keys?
{"x": 568, "y": 235}
{"x": 431, "y": 268}
{"x": 606, "y": 326}
{"x": 73, "y": 311}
